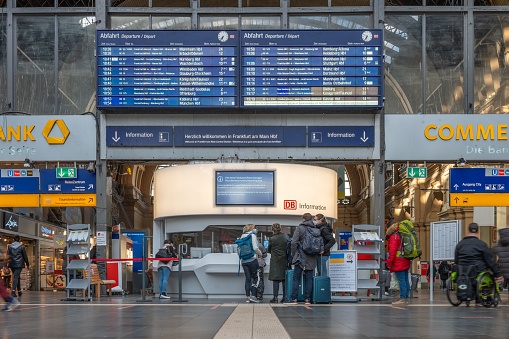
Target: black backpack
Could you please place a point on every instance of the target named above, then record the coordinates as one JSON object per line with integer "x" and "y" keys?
{"x": 464, "y": 280}
{"x": 163, "y": 253}
{"x": 313, "y": 241}
{"x": 289, "y": 258}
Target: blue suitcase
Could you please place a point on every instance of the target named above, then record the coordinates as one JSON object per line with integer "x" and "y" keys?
{"x": 321, "y": 290}
{"x": 289, "y": 284}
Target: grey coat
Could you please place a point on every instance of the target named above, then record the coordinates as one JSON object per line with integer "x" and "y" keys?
{"x": 306, "y": 261}
{"x": 502, "y": 250}
{"x": 277, "y": 250}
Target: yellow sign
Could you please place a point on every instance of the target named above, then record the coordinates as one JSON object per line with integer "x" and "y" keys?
{"x": 63, "y": 129}
{"x": 67, "y": 200}
{"x": 19, "y": 200}
{"x": 479, "y": 199}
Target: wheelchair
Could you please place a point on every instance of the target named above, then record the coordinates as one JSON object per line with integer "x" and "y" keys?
{"x": 485, "y": 290}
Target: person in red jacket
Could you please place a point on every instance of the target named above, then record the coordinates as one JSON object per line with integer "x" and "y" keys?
{"x": 398, "y": 264}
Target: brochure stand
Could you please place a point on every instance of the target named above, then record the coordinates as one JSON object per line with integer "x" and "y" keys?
{"x": 367, "y": 243}
{"x": 78, "y": 244}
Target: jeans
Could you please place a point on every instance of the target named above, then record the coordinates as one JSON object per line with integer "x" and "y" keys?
{"x": 308, "y": 282}
{"x": 251, "y": 283}
{"x": 15, "y": 279}
{"x": 164, "y": 275}
{"x": 404, "y": 285}
{"x": 321, "y": 264}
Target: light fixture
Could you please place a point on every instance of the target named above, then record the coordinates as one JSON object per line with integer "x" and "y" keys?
{"x": 462, "y": 162}
{"x": 91, "y": 167}
{"x": 27, "y": 163}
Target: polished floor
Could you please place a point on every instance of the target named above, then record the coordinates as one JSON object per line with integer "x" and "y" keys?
{"x": 45, "y": 315}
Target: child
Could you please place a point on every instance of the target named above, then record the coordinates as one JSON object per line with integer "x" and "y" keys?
{"x": 261, "y": 264}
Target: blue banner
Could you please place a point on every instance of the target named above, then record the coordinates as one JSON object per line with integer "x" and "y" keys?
{"x": 240, "y": 136}
{"x": 479, "y": 180}
{"x": 140, "y": 136}
{"x": 19, "y": 181}
{"x": 341, "y": 136}
{"x": 83, "y": 183}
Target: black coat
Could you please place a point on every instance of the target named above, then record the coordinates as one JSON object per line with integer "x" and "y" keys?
{"x": 328, "y": 238}
{"x": 17, "y": 255}
{"x": 472, "y": 251}
{"x": 502, "y": 250}
{"x": 277, "y": 250}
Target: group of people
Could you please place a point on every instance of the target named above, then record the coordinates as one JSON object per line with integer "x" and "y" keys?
{"x": 285, "y": 253}
{"x": 15, "y": 260}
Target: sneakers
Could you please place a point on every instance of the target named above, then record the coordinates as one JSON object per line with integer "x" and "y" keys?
{"x": 273, "y": 301}
{"x": 11, "y": 306}
{"x": 20, "y": 293}
{"x": 253, "y": 300}
{"x": 399, "y": 302}
{"x": 282, "y": 301}
{"x": 386, "y": 294}
{"x": 164, "y": 296}
{"x": 292, "y": 302}
{"x": 14, "y": 295}
{"x": 307, "y": 302}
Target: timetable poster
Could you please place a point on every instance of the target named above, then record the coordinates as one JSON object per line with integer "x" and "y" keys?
{"x": 328, "y": 68}
{"x": 151, "y": 69}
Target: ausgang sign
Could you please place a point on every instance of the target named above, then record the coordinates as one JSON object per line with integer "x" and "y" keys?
{"x": 447, "y": 137}
{"x": 48, "y": 138}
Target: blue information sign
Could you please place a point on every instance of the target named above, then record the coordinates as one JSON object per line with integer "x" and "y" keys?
{"x": 19, "y": 181}
{"x": 137, "y": 239}
{"x": 139, "y": 136}
{"x": 347, "y": 136}
{"x": 479, "y": 180}
{"x": 334, "y": 68}
{"x": 83, "y": 183}
{"x": 240, "y": 136}
{"x": 245, "y": 188}
{"x": 167, "y": 69}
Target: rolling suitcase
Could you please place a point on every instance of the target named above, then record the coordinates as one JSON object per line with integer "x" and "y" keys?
{"x": 321, "y": 290}
{"x": 289, "y": 283}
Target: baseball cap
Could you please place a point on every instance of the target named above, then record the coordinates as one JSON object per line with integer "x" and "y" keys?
{"x": 473, "y": 227}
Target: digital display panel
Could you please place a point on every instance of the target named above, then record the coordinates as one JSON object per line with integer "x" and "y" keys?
{"x": 162, "y": 68}
{"x": 244, "y": 188}
{"x": 340, "y": 68}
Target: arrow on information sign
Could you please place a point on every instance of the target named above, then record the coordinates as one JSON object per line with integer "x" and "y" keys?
{"x": 116, "y": 138}
{"x": 364, "y": 137}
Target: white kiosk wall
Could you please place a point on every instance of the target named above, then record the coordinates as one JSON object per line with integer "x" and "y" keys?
{"x": 185, "y": 201}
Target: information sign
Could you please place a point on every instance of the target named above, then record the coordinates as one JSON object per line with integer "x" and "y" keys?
{"x": 66, "y": 172}
{"x": 334, "y": 68}
{"x": 139, "y": 136}
{"x": 16, "y": 181}
{"x": 67, "y": 200}
{"x": 343, "y": 271}
{"x": 416, "y": 172}
{"x": 445, "y": 235}
{"x": 336, "y": 136}
{"x": 479, "y": 180}
{"x": 163, "y": 68}
{"x": 84, "y": 182}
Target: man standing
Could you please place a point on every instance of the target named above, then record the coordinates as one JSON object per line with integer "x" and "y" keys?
{"x": 17, "y": 260}
{"x": 304, "y": 262}
{"x": 328, "y": 241}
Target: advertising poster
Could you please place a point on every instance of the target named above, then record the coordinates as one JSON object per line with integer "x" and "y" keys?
{"x": 343, "y": 271}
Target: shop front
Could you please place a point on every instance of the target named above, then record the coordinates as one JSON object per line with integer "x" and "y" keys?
{"x": 51, "y": 256}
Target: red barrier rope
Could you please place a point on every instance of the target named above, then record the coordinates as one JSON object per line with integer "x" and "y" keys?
{"x": 131, "y": 259}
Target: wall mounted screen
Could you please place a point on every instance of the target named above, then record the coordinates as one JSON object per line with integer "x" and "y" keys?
{"x": 245, "y": 188}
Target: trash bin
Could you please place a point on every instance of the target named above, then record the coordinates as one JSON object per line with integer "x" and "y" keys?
{"x": 415, "y": 279}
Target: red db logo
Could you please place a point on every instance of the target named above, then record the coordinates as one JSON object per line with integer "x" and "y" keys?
{"x": 290, "y": 204}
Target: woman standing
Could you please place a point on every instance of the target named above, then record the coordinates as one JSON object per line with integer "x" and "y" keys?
{"x": 278, "y": 260}
{"x": 398, "y": 264}
{"x": 250, "y": 265}
{"x": 164, "y": 268}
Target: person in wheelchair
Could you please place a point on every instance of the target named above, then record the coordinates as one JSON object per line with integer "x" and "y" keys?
{"x": 471, "y": 251}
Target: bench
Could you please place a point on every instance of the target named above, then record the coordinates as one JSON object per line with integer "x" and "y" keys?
{"x": 96, "y": 280}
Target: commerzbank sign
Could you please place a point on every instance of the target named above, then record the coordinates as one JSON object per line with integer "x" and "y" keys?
{"x": 447, "y": 137}
{"x": 48, "y": 138}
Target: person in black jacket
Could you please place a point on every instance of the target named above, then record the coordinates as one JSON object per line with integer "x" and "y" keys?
{"x": 502, "y": 250}
{"x": 328, "y": 242}
{"x": 473, "y": 251}
{"x": 17, "y": 260}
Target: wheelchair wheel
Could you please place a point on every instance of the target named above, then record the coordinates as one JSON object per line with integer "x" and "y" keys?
{"x": 452, "y": 296}
{"x": 486, "y": 290}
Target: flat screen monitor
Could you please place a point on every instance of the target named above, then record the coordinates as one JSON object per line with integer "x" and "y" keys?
{"x": 245, "y": 188}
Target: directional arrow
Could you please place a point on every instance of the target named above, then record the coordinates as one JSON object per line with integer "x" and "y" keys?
{"x": 90, "y": 186}
{"x": 90, "y": 200}
{"x": 456, "y": 186}
{"x": 456, "y": 199}
{"x": 364, "y": 137}
{"x": 61, "y": 173}
{"x": 349, "y": 261}
{"x": 116, "y": 138}
{"x": 412, "y": 173}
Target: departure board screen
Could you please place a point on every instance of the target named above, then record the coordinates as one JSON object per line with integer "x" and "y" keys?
{"x": 150, "y": 69}
{"x": 328, "y": 68}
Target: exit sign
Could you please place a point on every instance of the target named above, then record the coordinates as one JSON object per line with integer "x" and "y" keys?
{"x": 66, "y": 172}
{"x": 416, "y": 172}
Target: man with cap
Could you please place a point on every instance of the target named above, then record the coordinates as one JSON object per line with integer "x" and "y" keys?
{"x": 473, "y": 251}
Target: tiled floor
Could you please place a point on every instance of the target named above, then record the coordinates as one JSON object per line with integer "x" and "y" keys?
{"x": 44, "y": 315}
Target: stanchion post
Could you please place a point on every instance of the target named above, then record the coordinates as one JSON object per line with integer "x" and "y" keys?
{"x": 144, "y": 259}
{"x": 182, "y": 250}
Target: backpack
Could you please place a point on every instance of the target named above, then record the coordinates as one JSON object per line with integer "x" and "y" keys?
{"x": 464, "y": 278}
{"x": 443, "y": 270}
{"x": 313, "y": 241}
{"x": 245, "y": 247}
{"x": 289, "y": 258}
{"x": 410, "y": 248}
{"x": 163, "y": 253}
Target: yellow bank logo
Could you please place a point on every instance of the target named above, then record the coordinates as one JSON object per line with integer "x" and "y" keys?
{"x": 52, "y": 140}
{"x": 466, "y": 132}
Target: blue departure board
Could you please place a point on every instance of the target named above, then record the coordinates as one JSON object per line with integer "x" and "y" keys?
{"x": 327, "y": 68}
{"x": 150, "y": 69}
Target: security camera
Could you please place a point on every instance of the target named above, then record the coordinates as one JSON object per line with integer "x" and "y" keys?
{"x": 91, "y": 167}
{"x": 27, "y": 163}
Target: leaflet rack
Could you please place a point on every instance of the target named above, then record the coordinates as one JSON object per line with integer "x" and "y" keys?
{"x": 367, "y": 243}
{"x": 78, "y": 243}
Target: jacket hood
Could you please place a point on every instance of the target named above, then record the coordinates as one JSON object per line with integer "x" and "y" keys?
{"x": 15, "y": 244}
{"x": 392, "y": 229}
{"x": 504, "y": 236}
{"x": 308, "y": 223}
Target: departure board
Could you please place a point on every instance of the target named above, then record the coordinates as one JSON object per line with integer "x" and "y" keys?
{"x": 328, "y": 68}
{"x": 150, "y": 69}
